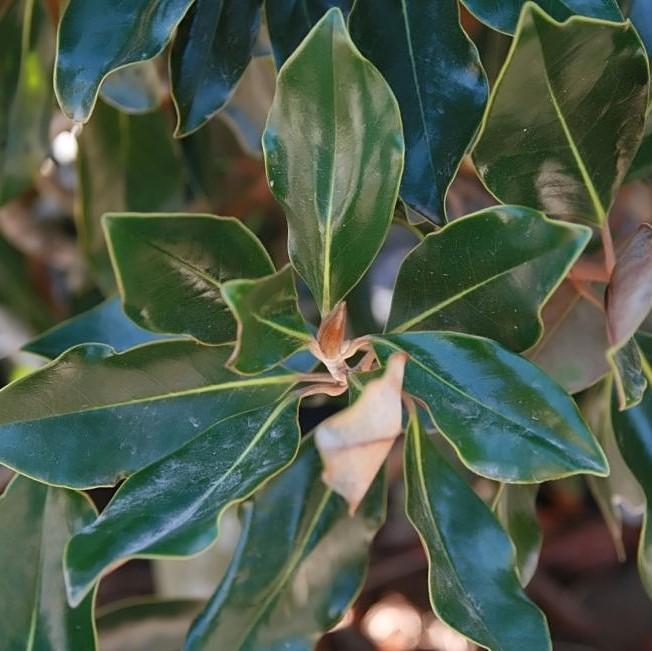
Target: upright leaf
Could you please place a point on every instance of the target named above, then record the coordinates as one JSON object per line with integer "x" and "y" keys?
{"x": 171, "y": 508}
{"x": 339, "y": 185}
{"x": 270, "y": 325}
{"x": 300, "y": 563}
{"x": 211, "y": 50}
{"x": 474, "y": 587}
{"x": 27, "y": 53}
{"x": 96, "y": 38}
{"x": 91, "y": 416}
{"x": 505, "y": 418}
{"x": 289, "y": 21}
{"x": 567, "y": 152}
{"x": 170, "y": 269}
{"x": 436, "y": 75}
{"x": 487, "y": 274}
{"x": 37, "y": 522}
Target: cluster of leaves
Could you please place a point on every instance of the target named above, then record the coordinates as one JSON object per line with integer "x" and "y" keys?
{"x": 188, "y": 386}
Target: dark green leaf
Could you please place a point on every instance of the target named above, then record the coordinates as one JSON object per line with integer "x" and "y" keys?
{"x": 640, "y": 15}
{"x": 92, "y": 416}
{"x": 134, "y": 89}
{"x": 641, "y": 166}
{"x": 629, "y": 379}
{"x": 300, "y": 563}
{"x": 289, "y": 21}
{"x": 170, "y": 270}
{"x": 474, "y": 587}
{"x": 340, "y": 185}
{"x": 270, "y": 326}
{"x": 37, "y": 522}
{"x": 106, "y": 323}
{"x": 503, "y": 14}
{"x": 506, "y": 419}
{"x": 27, "y": 53}
{"x": 567, "y": 152}
{"x": 126, "y": 162}
{"x": 211, "y": 51}
{"x": 171, "y": 508}
{"x": 435, "y": 72}
{"x": 96, "y": 38}
{"x": 516, "y": 510}
{"x": 487, "y": 274}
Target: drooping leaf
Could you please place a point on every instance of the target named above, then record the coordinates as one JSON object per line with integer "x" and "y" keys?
{"x": 106, "y": 323}
{"x": 270, "y": 325}
{"x": 300, "y": 563}
{"x": 639, "y": 14}
{"x": 567, "y": 152}
{"x": 134, "y": 89}
{"x": 96, "y": 38}
{"x": 516, "y": 510}
{"x": 487, "y": 274}
{"x": 340, "y": 185}
{"x": 126, "y": 163}
{"x": 633, "y": 429}
{"x": 506, "y": 419}
{"x": 37, "y": 522}
{"x": 92, "y": 416}
{"x": 27, "y": 54}
{"x": 171, "y": 508}
{"x": 503, "y": 14}
{"x": 211, "y": 50}
{"x": 435, "y": 72}
{"x": 170, "y": 269}
{"x": 289, "y": 21}
{"x": 474, "y": 587}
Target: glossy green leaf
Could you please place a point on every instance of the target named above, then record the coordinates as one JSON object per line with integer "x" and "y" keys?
{"x": 516, "y": 511}
{"x": 473, "y": 585}
{"x": 171, "y": 508}
{"x": 506, "y": 419}
{"x": 27, "y": 53}
{"x": 289, "y": 21}
{"x": 628, "y": 373}
{"x": 270, "y": 325}
{"x": 633, "y": 429}
{"x": 211, "y": 50}
{"x": 567, "y": 152}
{"x": 435, "y": 72}
{"x": 639, "y": 14}
{"x": 91, "y": 416}
{"x": 641, "y": 166}
{"x": 96, "y": 38}
{"x": 37, "y": 522}
{"x": 340, "y": 185}
{"x": 170, "y": 270}
{"x": 300, "y": 563}
{"x": 106, "y": 323}
{"x": 134, "y": 89}
{"x": 126, "y": 162}
{"x": 487, "y": 274}
{"x": 503, "y": 14}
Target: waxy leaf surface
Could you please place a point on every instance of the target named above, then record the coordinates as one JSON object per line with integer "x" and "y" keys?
{"x": 506, "y": 419}
{"x": 170, "y": 269}
{"x": 171, "y": 507}
{"x": 300, "y": 563}
{"x": 91, "y": 416}
{"x": 134, "y": 89}
{"x": 474, "y": 587}
{"x": 334, "y": 155}
{"x": 435, "y": 73}
{"x": 486, "y": 274}
{"x": 567, "y": 152}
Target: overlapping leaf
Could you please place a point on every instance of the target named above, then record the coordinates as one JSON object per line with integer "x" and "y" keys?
{"x": 300, "y": 563}
{"x": 474, "y": 587}
{"x": 92, "y": 416}
{"x": 506, "y": 419}
{"x": 37, "y": 522}
{"x": 134, "y": 89}
{"x": 170, "y": 270}
{"x": 486, "y": 274}
{"x": 338, "y": 186}
{"x": 567, "y": 152}
{"x": 171, "y": 507}
{"x": 435, "y": 72}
